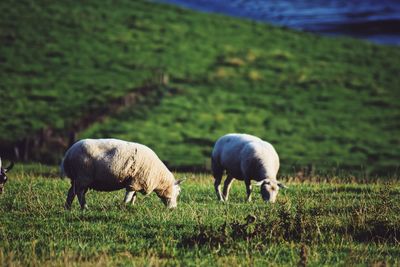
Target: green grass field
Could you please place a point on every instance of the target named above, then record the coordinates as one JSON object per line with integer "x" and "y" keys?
{"x": 338, "y": 222}
{"x": 327, "y": 102}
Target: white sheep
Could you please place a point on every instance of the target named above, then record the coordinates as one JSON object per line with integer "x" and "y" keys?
{"x": 245, "y": 157}
{"x": 112, "y": 164}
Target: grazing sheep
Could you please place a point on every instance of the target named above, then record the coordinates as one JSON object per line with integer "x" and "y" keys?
{"x": 3, "y": 177}
{"x": 111, "y": 164}
{"x": 245, "y": 157}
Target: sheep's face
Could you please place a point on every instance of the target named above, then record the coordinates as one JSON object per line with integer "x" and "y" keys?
{"x": 3, "y": 176}
{"x": 172, "y": 202}
{"x": 270, "y": 189}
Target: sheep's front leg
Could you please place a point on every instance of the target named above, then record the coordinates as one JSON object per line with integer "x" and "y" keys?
{"x": 227, "y": 187}
{"x": 81, "y": 197}
{"x": 134, "y": 199}
{"x": 248, "y": 189}
{"x": 130, "y": 196}
{"x": 70, "y": 197}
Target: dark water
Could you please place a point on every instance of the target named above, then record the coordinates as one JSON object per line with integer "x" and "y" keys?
{"x": 374, "y": 20}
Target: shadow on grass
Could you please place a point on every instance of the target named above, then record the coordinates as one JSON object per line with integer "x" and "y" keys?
{"x": 299, "y": 228}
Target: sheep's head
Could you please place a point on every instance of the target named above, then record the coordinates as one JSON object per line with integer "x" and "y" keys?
{"x": 3, "y": 176}
{"x": 172, "y": 201}
{"x": 270, "y": 188}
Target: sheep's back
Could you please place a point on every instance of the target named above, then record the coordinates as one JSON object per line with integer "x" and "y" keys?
{"x": 228, "y": 152}
{"x": 110, "y": 164}
{"x": 259, "y": 160}
{"x": 246, "y": 155}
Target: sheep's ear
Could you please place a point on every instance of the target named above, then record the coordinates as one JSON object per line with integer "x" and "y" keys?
{"x": 9, "y": 167}
{"x": 260, "y": 182}
{"x": 178, "y": 182}
{"x": 282, "y": 185}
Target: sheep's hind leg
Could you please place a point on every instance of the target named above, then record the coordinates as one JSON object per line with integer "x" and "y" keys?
{"x": 70, "y": 196}
{"x": 217, "y": 173}
{"x": 248, "y": 189}
{"x": 217, "y": 186}
{"x": 81, "y": 197}
{"x": 227, "y": 187}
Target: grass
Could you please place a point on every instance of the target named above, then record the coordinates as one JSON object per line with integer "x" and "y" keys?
{"x": 334, "y": 223}
{"x": 323, "y": 102}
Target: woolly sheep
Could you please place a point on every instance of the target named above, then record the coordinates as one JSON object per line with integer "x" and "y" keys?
{"x": 112, "y": 164}
{"x": 245, "y": 157}
{"x": 3, "y": 176}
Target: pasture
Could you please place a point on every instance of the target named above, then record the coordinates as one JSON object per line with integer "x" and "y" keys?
{"x": 321, "y": 221}
{"x": 319, "y": 101}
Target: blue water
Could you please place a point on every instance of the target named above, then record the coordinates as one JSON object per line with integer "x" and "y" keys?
{"x": 373, "y": 20}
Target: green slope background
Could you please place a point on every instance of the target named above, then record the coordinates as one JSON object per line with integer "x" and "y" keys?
{"x": 329, "y": 103}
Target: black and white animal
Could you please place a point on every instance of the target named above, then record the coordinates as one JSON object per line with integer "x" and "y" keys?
{"x": 245, "y": 157}
{"x": 3, "y": 175}
{"x": 112, "y": 164}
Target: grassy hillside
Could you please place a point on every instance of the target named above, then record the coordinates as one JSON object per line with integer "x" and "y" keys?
{"x": 338, "y": 224}
{"x": 60, "y": 60}
{"x": 320, "y": 101}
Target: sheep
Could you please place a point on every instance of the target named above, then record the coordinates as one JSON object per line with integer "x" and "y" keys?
{"x": 112, "y": 164}
{"x": 245, "y": 157}
{"x": 3, "y": 176}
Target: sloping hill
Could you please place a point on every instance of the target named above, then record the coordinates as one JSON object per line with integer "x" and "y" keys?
{"x": 322, "y": 102}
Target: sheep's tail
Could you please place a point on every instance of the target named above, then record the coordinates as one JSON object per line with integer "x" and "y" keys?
{"x": 64, "y": 170}
{"x": 63, "y": 174}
